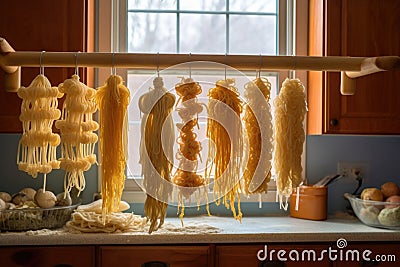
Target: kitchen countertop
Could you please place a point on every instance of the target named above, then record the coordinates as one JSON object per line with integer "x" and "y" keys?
{"x": 215, "y": 230}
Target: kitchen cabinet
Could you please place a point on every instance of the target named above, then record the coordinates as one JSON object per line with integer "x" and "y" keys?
{"x": 268, "y": 255}
{"x": 54, "y": 256}
{"x": 354, "y": 28}
{"x": 43, "y": 25}
{"x": 155, "y": 256}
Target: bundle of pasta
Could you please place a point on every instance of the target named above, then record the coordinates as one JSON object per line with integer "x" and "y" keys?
{"x": 290, "y": 111}
{"x": 76, "y": 126}
{"x": 37, "y": 146}
{"x": 258, "y": 126}
{"x": 189, "y": 148}
{"x": 156, "y": 151}
{"x": 112, "y": 100}
{"x": 224, "y": 130}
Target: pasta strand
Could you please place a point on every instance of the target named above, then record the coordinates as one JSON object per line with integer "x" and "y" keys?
{"x": 112, "y": 100}
{"x": 290, "y": 111}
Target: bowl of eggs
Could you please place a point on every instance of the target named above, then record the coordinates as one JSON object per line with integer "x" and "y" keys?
{"x": 378, "y": 207}
{"x": 31, "y": 209}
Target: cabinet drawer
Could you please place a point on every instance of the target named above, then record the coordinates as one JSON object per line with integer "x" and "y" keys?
{"x": 172, "y": 256}
{"x": 248, "y": 255}
{"x": 65, "y": 256}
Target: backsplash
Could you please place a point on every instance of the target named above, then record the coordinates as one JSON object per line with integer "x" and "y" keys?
{"x": 380, "y": 153}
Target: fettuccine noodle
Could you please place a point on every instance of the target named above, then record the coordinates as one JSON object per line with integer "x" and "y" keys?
{"x": 290, "y": 111}
{"x": 112, "y": 100}
{"x": 189, "y": 148}
{"x": 156, "y": 151}
{"x": 258, "y": 126}
{"x": 224, "y": 129}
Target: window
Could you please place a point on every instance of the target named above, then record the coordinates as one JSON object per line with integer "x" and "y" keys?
{"x": 192, "y": 26}
{"x": 252, "y": 27}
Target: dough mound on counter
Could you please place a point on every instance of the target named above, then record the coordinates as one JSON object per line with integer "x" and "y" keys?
{"x": 92, "y": 222}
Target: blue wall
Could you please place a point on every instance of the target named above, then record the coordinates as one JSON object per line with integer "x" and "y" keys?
{"x": 381, "y": 154}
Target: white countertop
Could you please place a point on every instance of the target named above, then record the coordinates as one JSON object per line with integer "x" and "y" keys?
{"x": 215, "y": 230}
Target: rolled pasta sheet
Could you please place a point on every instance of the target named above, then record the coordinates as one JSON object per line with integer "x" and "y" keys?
{"x": 112, "y": 100}
{"x": 156, "y": 151}
{"x": 224, "y": 130}
{"x": 37, "y": 146}
{"x": 290, "y": 110}
{"x": 259, "y": 131}
{"x": 77, "y": 139}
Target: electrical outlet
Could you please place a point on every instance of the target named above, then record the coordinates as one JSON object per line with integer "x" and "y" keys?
{"x": 351, "y": 170}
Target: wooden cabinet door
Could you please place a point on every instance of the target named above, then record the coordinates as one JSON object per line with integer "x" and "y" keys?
{"x": 66, "y": 256}
{"x": 42, "y": 25}
{"x": 354, "y": 28}
{"x": 171, "y": 256}
{"x": 385, "y": 255}
{"x": 271, "y": 255}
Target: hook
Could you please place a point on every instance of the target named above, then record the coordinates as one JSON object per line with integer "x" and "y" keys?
{"x": 225, "y": 64}
{"x": 258, "y": 74}
{"x": 190, "y": 66}
{"x": 113, "y": 70}
{"x": 76, "y": 63}
{"x": 293, "y": 71}
{"x": 158, "y": 64}
{"x": 41, "y": 68}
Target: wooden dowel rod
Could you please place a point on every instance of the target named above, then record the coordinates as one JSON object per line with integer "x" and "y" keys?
{"x": 151, "y": 61}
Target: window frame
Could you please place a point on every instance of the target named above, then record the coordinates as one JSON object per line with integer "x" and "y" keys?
{"x": 112, "y": 37}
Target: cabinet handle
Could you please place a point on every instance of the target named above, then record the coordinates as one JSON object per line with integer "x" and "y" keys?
{"x": 334, "y": 122}
{"x": 155, "y": 264}
{"x": 63, "y": 265}
{"x": 272, "y": 264}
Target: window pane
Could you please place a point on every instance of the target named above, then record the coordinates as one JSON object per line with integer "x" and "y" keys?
{"x": 253, "y": 5}
{"x": 152, "y": 4}
{"x": 202, "y": 33}
{"x": 203, "y": 5}
{"x": 252, "y": 35}
{"x": 151, "y": 32}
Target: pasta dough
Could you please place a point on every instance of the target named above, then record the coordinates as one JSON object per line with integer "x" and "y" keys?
{"x": 224, "y": 129}
{"x": 76, "y": 127}
{"x": 156, "y": 151}
{"x": 38, "y": 144}
{"x": 258, "y": 126}
{"x": 290, "y": 111}
{"x": 112, "y": 100}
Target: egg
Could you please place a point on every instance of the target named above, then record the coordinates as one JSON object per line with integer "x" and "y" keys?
{"x": 395, "y": 199}
{"x": 389, "y": 189}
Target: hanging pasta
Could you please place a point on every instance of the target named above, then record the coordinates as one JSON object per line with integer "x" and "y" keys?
{"x": 38, "y": 144}
{"x": 224, "y": 130}
{"x": 290, "y": 111}
{"x": 112, "y": 100}
{"x": 189, "y": 148}
{"x": 76, "y": 126}
{"x": 156, "y": 151}
{"x": 259, "y": 146}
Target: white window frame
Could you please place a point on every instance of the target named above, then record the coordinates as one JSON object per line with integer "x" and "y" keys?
{"x": 112, "y": 37}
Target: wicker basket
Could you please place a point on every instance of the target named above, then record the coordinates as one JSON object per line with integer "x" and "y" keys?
{"x": 35, "y": 218}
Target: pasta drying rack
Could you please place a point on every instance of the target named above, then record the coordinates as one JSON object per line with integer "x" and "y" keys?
{"x": 349, "y": 67}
